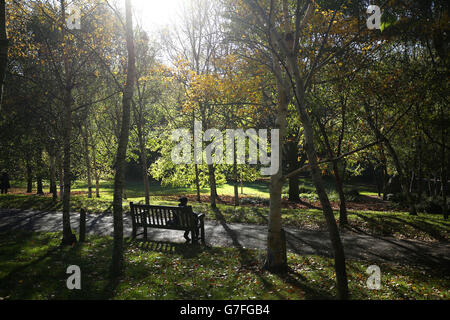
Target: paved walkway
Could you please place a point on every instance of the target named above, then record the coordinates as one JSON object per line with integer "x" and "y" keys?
{"x": 219, "y": 233}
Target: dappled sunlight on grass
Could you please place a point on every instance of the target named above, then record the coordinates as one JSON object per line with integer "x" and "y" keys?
{"x": 33, "y": 267}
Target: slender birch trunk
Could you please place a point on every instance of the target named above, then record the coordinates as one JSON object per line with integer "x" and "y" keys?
{"x": 143, "y": 161}
{"x": 87, "y": 160}
{"x": 276, "y": 259}
{"x": 29, "y": 176}
{"x": 119, "y": 178}
{"x": 68, "y": 237}
{"x": 3, "y": 47}
{"x": 60, "y": 176}
{"x": 96, "y": 174}
{"x": 300, "y": 103}
{"x": 235, "y": 184}
{"x": 53, "y": 188}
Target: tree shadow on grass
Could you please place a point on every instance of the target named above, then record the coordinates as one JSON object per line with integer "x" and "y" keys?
{"x": 297, "y": 280}
{"x": 253, "y": 263}
{"x": 425, "y": 227}
{"x": 378, "y": 226}
{"x": 13, "y": 244}
{"x": 388, "y": 225}
{"x": 247, "y": 259}
{"x": 259, "y": 214}
{"x": 29, "y": 202}
{"x": 44, "y": 275}
{"x": 417, "y": 254}
{"x": 308, "y": 205}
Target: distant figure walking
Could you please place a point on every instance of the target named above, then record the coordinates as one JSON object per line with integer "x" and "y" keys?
{"x": 4, "y": 183}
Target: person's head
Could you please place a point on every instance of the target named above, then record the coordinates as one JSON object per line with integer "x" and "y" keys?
{"x": 183, "y": 201}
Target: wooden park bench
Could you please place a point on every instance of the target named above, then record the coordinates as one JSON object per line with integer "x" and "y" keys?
{"x": 167, "y": 217}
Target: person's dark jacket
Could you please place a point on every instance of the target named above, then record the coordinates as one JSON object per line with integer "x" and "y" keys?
{"x": 4, "y": 183}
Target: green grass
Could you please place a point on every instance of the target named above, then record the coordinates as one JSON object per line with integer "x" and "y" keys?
{"x": 33, "y": 266}
{"x": 135, "y": 190}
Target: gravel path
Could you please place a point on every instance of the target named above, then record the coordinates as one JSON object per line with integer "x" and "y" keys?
{"x": 218, "y": 233}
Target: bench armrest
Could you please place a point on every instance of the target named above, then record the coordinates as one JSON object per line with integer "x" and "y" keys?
{"x": 201, "y": 216}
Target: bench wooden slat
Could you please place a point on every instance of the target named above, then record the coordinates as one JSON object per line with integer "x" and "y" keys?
{"x": 165, "y": 216}
{"x": 138, "y": 216}
{"x": 158, "y": 216}
{"x": 146, "y": 216}
{"x": 153, "y": 216}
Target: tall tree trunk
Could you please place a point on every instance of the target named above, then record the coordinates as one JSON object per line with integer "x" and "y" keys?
{"x": 96, "y": 174}
{"x": 298, "y": 85}
{"x": 429, "y": 187}
{"x": 53, "y": 188}
{"x": 435, "y": 185}
{"x": 212, "y": 186}
{"x": 276, "y": 258}
{"x": 197, "y": 183}
{"x": 119, "y": 178}
{"x": 293, "y": 164}
{"x": 419, "y": 172}
{"x": 403, "y": 178}
{"x": 337, "y": 177}
{"x": 29, "y": 176}
{"x": 235, "y": 182}
{"x": 401, "y": 174}
{"x": 60, "y": 176}
{"x": 68, "y": 237}
{"x": 343, "y": 220}
{"x": 87, "y": 160}
{"x": 40, "y": 190}
{"x": 97, "y": 185}
{"x": 339, "y": 256}
{"x": 3, "y": 47}
{"x": 444, "y": 177}
{"x": 411, "y": 182}
{"x": 378, "y": 179}
{"x": 385, "y": 177}
{"x": 144, "y": 165}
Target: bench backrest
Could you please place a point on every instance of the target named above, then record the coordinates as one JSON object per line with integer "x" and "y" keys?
{"x": 162, "y": 216}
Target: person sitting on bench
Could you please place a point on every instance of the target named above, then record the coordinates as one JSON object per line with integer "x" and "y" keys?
{"x": 183, "y": 203}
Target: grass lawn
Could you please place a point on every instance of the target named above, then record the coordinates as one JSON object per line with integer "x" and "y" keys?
{"x": 135, "y": 189}
{"x": 33, "y": 266}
